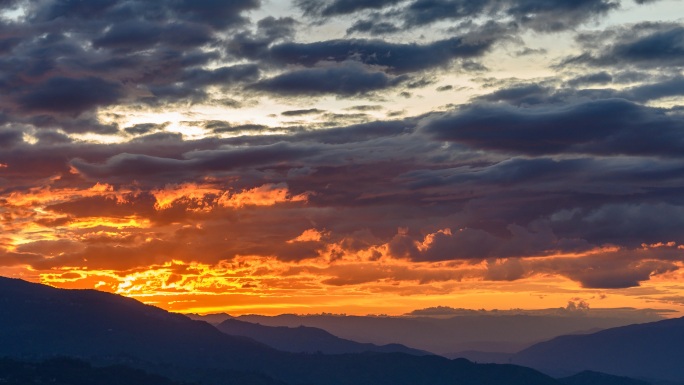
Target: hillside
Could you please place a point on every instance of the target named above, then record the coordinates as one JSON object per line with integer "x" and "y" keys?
{"x": 41, "y": 322}
{"x": 304, "y": 339}
{"x": 650, "y": 350}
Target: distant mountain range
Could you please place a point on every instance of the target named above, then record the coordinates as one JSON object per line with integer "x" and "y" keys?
{"x": 40, "y": 322}
{"x": 652, "y": 350}
{"x": 589, "y": 377}
{"x": 305, "y": 339}
{"x": 449, "y": 335}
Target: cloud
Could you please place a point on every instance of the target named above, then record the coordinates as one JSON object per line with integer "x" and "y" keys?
{"x": 536, "y": 15}
{"x": 145, "y": 128}
{"x": 308, "y": 111}
{"x": 604, "y": 127}
{"x": 269, "y": 30}
{"x": 649, "y": 88}
{"x": 478, "y": 244}
{"x": 373, "y": 26}
{"x": 645, "y": 45}
{"x": 138, "y": 35}
{"x": 67, "y": 59}
{"x": 594, "y": 78}
{"x": 192, "y": 83}
{"x": 347, "y": 79}
{"x": 125, "y": 165}
{"x": 397, "y": 58}
{"x": 10, "y": 138}
{"x": 609, "y": 270}
{"x": 70, "y": 96}
{"x": 544, "y": 16}
{"x": 629, "y": 224}
{"x": 340, "y": 7}
{"x": 576, "y": 175}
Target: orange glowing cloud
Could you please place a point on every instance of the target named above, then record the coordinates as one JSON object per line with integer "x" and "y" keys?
{"x": 266, "y": 195}
{"x": 171, "y": 193}
{"x": 309, "y": 235}
{"x": 183, "y": 247}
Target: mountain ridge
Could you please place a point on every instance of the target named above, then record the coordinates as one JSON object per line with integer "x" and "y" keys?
{"x": 43, "y": 322}
{"x": 304, "y": 339}
{"x": 647, "y": 350}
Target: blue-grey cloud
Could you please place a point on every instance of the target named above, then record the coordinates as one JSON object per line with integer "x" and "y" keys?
{"x": 645, "y": 45}
{"x": 70, "y": 96}
{"x": 537, "y": 15}
{"x": 395, "y": 57}
{"x": 64, "y": 59}
{"x": 340, "y": 7}
{"x": 603, "y": 127}
{"x": 347, "y": 79}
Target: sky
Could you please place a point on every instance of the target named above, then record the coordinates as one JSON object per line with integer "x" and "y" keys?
{"x": 345, "y": 156}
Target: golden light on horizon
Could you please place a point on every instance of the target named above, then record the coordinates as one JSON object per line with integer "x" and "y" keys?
{"x": 355, "y": 274}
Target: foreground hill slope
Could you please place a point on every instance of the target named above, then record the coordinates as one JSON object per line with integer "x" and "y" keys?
{"x": 651, "y": 350}
{"x": 63, "y": 371}
{"x": 305, "y": 339}
{"x": 40, "y": 321}
{"x": 595, "y": 378}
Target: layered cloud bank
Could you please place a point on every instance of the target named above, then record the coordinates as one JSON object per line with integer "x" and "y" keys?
{"x": 387, "y": 155}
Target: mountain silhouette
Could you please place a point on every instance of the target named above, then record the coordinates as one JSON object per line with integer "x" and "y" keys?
{"x": 589, "y": 377}
{"x": 651, "y": 350}
{"x": 446, "y": 336}
{"x": 40, "y": 322}
{"x": 63, "y": 371}
{"x": 305, "y": 339}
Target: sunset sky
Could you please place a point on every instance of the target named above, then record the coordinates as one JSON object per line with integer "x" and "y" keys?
{"x": 345, "y": 156}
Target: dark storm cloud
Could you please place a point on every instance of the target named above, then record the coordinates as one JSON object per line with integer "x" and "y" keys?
{"x": 145, "y": 128}
{"x": 545, "y": 16}
{"x": 308, "y": 111}
{"x": 608, "y": 270}
{"x": 347, "y": 79}
{"x": 224, "y": 127}
{"x": 340, "y": 7}
{"x": 85, "y": 122}
{"x": 397, "y": 58}
{"x": 588, "y": 79}
{"x": 374, "y": 25}
{"x": 217, "y": 14}
{"x": 66, "y": 59}
{"x": 51, "y": 137}
{"x": 663, "y": 89}
{"x": 382, "y": 175}
{"x": 423, "y": 12}
{"x": 191, "y": 84}
{"x": 45, "y": 160}
{"x": 477, "y": 244}
{"x": 526, "y": 170}
{"x": 537, "y": 15}
{"x": 269, "y": 30}
{"x": 525, "y": 94}
{"x": 645, "y": 45}
{"x": 127, "y": 166}
{"x": 651, "y": 87}
{"x": 70, "y": 96}
{"x": 134, "y": 204}
{"x": 602, "y": 127}
{"x": 10, "y": 138}
{"x": 137, "y": 35}
{"x": 360, "y": 132}
{"x": 628, "y": 224}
